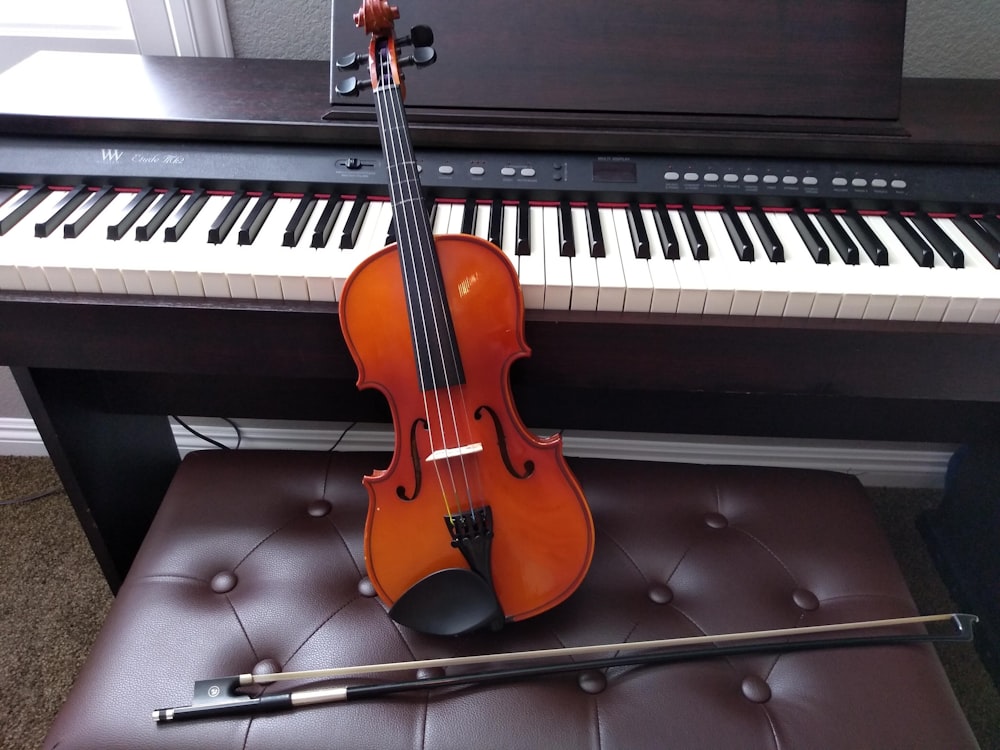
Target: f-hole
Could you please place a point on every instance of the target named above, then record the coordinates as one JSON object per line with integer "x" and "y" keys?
{"x": 415, "y": 459}
{"x": 529, "y": 466}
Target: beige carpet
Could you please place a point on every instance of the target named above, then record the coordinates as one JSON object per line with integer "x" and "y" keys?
{"x": 53, "y": 600}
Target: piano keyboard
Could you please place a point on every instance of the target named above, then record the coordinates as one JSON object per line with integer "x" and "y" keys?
{"x": 736, "y": 259}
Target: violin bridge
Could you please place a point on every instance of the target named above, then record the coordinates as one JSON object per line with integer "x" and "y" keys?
{"x": 462, "y": 450}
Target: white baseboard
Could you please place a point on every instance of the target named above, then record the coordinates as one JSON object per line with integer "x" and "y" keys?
{"x": 876, "y": 464}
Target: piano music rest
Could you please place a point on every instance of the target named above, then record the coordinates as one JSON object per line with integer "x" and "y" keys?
{"x": 254, "y": 562}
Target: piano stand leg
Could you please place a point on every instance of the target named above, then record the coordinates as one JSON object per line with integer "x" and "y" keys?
{"x": 963, "y": 537}
{"x": 114, "y": 467}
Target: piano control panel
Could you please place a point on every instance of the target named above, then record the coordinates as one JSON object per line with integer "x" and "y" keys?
{"x": 541, "y": 176}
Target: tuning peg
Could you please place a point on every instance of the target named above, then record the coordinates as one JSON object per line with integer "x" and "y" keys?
{"x": 352, "y": 86}
{"x": 421, "y": 56}
{"x": 352, "y": 61}
{"x": 420, "y": 36}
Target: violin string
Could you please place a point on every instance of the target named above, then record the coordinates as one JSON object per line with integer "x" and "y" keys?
{"x": 443, "y": 333}
{"x": 410, "y": 201}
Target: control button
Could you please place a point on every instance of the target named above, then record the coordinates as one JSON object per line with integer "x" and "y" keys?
{"x": 446, "y": 169}
{"x": 690, "y": 177}
{"x": 859, "y": 182}
{"x": 810, "y": 181}
{"x": 508, "y": 171}
{"x": 353, "y": 163}
{"x": 770, "y": 179}
{"x": 671, "y": 176}
{"x": 477, "y": 171}
{"x": 711, "y": 177}
{"x": 528, "y": 172}
{"x": 878, "y": 182}
{"x": 790, "y": 179}
{"x": 898, "y": 184}
{"x": 751, "y": 179}
{"x": 840, "y": 182}
{"x": 731, "y": 177}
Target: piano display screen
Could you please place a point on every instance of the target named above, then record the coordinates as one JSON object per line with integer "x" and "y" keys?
{"x": 614, "y": 171}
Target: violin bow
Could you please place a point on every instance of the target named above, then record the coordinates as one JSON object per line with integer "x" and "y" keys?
{"x": 220, "y": 697}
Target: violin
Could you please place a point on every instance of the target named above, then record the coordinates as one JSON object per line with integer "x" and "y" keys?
{"x": 476, "y": 522}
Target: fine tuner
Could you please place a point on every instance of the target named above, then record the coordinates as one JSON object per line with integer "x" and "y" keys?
{"x": 420, "y": 37}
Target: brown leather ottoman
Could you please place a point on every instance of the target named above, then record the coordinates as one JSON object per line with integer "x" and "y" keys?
{"x": 254, "y": 562}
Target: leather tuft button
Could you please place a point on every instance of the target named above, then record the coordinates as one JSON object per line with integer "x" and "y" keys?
{"x": 660, "y": 593}
{"x": 716, "y": 520}
{"x": 224, "y": 582}
{"x": 430, "y": 673}
{"x": 319, "y": 508}
{"x": 266, "y": 666}
{"x": 366, "y": 588}
{"x": 805, "y": 599}
{"x": 755, "y": 689}
{"x": 592, "y": 682}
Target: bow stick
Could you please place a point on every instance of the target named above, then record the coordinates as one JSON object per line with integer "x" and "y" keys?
{"x": 219, "y": 696}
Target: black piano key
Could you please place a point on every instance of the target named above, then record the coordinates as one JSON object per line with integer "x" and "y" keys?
{"x": 468, "y": 217}
{"x": 983, "y": 241}
{"x": 64, "y": 208}
{"x": 666, "y": 233}
{"x": 636, "y": 227}
{"x": 352, "y": 229}
{"x": 846, "y": 247}
{"x": 767, "y": 236}
{"x": 324, "y": 227}
{"x": 95, "y": 204}
{"x": 695, "y": 235}
{"x": 737, "y": 234}
{"x": 226, "y": 220}
{"x": 938, "y": 239}
{"x": 183, "y": 217}
{"x": 390, "y": 233}
{"x": 813, "y": 240}
{"x": 992, "y": 226}
{"x": 870, "y": 243}
{"x": 595, "y": 231}
{"x": 523, "y": 246}
{"x": 251, "y": 226}
{"x": 567, "y": 239}
{"x": 496, "y": 223}
{"x": 162, "y": 209}
{"x": 17, "y": 208}
{"x": 915, "y": 245}
{"x": 297, "y": 224}
{"x": 135, "y": 208}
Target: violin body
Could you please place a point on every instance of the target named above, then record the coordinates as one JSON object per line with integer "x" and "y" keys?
{"x": 542, "y": 536}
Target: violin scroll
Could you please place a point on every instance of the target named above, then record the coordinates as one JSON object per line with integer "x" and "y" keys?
{"x": 376, "y": 17}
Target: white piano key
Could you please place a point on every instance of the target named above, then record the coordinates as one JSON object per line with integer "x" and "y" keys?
{"x": 610, "y": 274}
{"x": 666, "y": 287}
{"x": 341, "y": 261}
{"x": 481, "y": 228}
{"x": 638, "y": 281}
{"x": 276, "y": 273}
{"x": 690, "y": 280}
{"x": 318, "y": 262}
{"x": 583, "y": 266}
{"x": 558, "y": 273}
{"x": 531, "y": 267}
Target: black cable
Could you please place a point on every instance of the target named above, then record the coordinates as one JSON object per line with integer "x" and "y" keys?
{"x": 347, "y": 429}
{"x": 216, "y": 443}
{"x": 34, "y": 496}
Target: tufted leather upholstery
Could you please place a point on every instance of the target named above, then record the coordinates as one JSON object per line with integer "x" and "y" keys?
{"x": 254, "y": 562}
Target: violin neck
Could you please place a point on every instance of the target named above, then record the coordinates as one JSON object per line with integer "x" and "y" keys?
{"x": 434, "y": 343}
